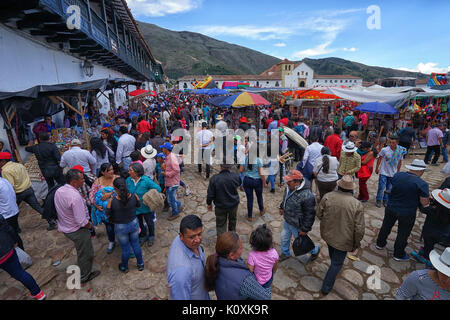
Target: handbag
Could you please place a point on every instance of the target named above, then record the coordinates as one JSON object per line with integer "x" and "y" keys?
{"x": 302, "y": 245}
{"x": 154, "y": 200}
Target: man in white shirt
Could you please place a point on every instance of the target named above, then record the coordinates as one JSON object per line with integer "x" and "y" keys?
{"x": 312, "y": 152}
{"x": 221, "y": 128}
{"x": 125, "y": 146}
{"x": 149, "y": 165}
{"x": 77, "y": 156}
{"x": 206, "y": 139}
{"x": 8, "y": 207}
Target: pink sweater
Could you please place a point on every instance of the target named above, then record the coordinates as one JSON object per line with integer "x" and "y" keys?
{"x": 172, "y": 177}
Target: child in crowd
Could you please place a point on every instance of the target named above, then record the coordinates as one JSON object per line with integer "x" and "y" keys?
{"x": 263, "y": 259}
{"x": 136, "y": 157}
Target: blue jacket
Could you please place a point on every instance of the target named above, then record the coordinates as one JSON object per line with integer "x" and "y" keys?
{"x": 231, "y": 275}
{"x": 144, "y": 185}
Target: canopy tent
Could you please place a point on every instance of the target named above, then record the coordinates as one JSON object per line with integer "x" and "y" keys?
{"x": 211, "y": 92}
{"x": 216, "y": 101}
{"x": 367, "y": 96}
{"x": 61, "y": 89}
{"x": 244, "y": 99}
{"x": 376, "y": 107}
{"x": 138, "y": 92}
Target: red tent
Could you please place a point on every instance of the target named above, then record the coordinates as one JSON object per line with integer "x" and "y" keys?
{"x": 138, "y": 92}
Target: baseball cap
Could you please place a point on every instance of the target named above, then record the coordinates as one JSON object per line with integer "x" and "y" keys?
{"x": 167, "y": 146}
{"x": 161, "y": 155}
{"x": 293, "y": 175}
{"x": 5, "y": 156}
{"x": 78, "y": 167}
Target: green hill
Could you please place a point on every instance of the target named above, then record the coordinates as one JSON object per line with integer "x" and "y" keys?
{"x": 188, "y": 53}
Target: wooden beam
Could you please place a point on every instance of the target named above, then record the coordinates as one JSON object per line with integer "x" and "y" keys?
{"x": 69, "y": 105}
{"x": 83, "y": 121}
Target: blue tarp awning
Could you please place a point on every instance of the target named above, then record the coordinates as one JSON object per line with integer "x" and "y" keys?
{"x": 376, "y": 107}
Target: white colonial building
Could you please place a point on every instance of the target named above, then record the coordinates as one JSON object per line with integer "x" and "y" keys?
{"x": 285, "y": 74}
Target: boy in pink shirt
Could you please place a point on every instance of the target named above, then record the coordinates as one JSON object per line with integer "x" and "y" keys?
{"x": 263, "y": 259}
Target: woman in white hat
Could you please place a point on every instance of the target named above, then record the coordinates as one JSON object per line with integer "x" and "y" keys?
{"x": 428, "y": 284}
{"x": 436, "y": 228}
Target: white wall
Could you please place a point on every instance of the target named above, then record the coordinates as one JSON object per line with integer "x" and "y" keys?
{"x": 300, "y": 73}
{"x": 27, "y": 64}
{"x": 340, "y": 82}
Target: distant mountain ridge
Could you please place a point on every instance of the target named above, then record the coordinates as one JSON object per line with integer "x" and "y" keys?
{"x": 189, "y": 53}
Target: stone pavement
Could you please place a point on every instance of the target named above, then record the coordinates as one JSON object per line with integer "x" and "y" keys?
{"x": 295, "y": 279}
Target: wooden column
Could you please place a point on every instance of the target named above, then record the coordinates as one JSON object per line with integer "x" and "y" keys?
{"x": 83, "y": 121}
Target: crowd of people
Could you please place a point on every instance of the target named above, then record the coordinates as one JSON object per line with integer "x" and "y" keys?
{"x": 133, "y": 159}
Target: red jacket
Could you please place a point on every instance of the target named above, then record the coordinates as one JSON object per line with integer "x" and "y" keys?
{"x": 334, "y": 143}
{"x": 143, "y": 126}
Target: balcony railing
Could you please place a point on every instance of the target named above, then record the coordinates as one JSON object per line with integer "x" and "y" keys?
{"x": 97, "y": 31}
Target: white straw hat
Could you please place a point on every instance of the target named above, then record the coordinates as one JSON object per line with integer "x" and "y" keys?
{"x": 417, "y": 165}
{"x": 442, "y": 196}
{"x": 441, "y": 262}
{"x": 148, "y": 152}
{"x": 349, "y": 147}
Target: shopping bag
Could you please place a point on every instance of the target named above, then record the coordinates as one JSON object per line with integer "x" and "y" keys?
{"x": 302, "y": 245}
{"x": 24, "y": 258}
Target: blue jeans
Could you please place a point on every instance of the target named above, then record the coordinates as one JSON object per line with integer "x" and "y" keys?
{"x": 286, "y": 234}
{"x": 384, "y": 182}
{"x": 271, "y": 179}
{"x": 110, "y": 231}
{"x": 126, "y": 163}
{"x": 148, "y": 217}
{"x": 242, "y": 175}
{"x": 268, "y": 284}
{"x": 337, "y": 260}
{"x": 15, "y": 270}
{"x": 128, "y": 236}
{"x": 251, "y": 184}
{"x": 172, "y": 199}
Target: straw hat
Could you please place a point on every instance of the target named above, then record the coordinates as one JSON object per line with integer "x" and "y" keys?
{"x": 148, "y": 152}
{"x": 347, "y": 183}
{"x": 441, "y": 262}
{"x": 349, "y": 147}
{"x": 442, "y": 196}
{"x": 417, "y": 165}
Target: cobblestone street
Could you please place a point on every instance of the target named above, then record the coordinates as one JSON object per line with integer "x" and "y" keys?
{"x": 295, "y": 279}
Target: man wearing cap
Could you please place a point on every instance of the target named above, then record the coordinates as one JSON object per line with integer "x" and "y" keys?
{"x": 243, "y": 124}
{"x": 17, "y": 175}
{"x": 171, "y": 179}
{"x": 389, "y": 162}
{"x": 206, "y": 139}
{"x": 349, "y": 161}
{"x": 149, "y": 164}
{"x": 125, "y": 146}
{"x": 77, "y": 156}
{"x": 73, "y": 222}
{"x": 342, "y": 226}
{"x": 222, "y": 190}
{"x": 428, "y": 284}
{"x": 436, "y": 228}
{"x": 299, "y": 210}
{"x": 408, "y": 192}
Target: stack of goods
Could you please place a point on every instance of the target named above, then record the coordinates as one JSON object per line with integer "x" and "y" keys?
{"x": 33, "y": 169}
{"x": 63, "y": 136}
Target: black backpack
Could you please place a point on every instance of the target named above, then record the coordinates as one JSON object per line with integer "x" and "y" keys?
{"x": 49, "y": 204}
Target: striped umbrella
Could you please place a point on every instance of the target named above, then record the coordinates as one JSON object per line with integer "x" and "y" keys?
{"x": 244, "y": 99}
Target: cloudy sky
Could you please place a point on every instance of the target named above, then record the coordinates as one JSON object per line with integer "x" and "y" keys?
{"x": 411, "y": 35}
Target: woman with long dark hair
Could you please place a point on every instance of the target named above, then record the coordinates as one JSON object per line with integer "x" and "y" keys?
{"x": 105, "y": 179}
{"x": 121, "y": 211}
{"x": 228, "y": 275}
{"x": 101, "y": 153}
{"x": 325, "y": 170}
{"x": 108, "y": 139}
